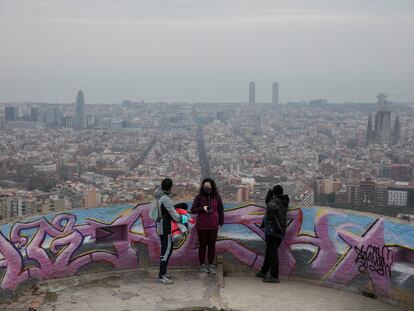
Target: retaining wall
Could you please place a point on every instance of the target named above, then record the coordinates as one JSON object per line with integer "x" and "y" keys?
{"x": 358, "y": 252}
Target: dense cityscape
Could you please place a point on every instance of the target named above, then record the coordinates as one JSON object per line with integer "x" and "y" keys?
{"x": 56, "y": 156}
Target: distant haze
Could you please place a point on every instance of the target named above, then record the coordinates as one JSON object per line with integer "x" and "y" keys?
{"x": 205, "y": 50}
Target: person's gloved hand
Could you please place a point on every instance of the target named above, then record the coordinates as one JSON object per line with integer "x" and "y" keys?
{"x": 185, "y": 218}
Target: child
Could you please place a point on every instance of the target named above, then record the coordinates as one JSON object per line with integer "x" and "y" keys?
{"x": 179, "y": 231}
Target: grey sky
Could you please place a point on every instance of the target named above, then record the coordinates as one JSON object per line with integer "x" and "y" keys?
{"x": 193, "y": 50}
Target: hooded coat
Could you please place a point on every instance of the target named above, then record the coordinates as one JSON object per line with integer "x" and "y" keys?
{"x": 274, "y": 222}
{"x": 168, "y": 212}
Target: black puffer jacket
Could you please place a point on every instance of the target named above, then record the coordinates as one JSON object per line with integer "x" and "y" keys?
{"x": 274, "y": 221}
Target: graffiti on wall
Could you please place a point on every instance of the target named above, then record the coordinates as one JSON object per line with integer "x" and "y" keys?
{"x": 375, "y": 259}
{"x": 335, "y": 247}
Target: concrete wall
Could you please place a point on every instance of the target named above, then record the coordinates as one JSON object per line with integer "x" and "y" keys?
{"x": 357, "y": 252}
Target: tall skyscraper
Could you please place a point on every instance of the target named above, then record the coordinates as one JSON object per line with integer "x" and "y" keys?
{"x": 252, "y": 93}
{"x": 35, "y": 114}
{"x": 381, "y": 133}
{"x": 10, "y": 113}
{"x": 397, "y": 130}
{"x": 370, "y": 131}
{"x": 275, "y": 93}
{"x": 80, "y": 117}
{"x": 53, "y": 117}
{"x": 220, "y": 116}
{"x": 382, "y": 121}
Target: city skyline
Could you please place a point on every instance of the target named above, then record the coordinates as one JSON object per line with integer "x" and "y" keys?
{"x": 272, "y": 98}
{"x": 112, "y": 111}
{"x": 325, "y": 154}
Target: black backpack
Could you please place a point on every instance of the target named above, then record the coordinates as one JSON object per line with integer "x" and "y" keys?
{"x": 276, "y": 216}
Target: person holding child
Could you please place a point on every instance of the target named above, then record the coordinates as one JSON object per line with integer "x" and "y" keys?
{"x": 167, "y": 216}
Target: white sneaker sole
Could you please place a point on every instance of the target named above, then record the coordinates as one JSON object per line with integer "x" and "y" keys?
{"x": 165, "y": 282}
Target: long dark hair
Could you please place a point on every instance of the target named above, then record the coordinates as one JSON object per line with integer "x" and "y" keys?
{"x": 214, "y": 191}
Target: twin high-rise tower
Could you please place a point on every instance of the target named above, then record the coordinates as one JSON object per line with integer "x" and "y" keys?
{"x": 275, "y": 93}
{"x": 252, "y": 93}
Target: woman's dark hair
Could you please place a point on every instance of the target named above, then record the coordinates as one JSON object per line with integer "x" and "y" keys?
{"x": 214, "y": 190}
{"x": 166, "y": 184}
{"x": 276, "y": 190}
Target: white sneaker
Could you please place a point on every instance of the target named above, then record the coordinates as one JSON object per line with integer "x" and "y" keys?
{"x": 212, "y": 270}
{"x": 165, "y": 280}
{"x": 204, "y": 269}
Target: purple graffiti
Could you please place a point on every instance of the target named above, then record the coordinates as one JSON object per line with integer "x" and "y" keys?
{"x": 325, "y": 257}
{"x": 13, "y": 263}
{"x": 375, "y": 259}
{"x": 349, "y": 266}
{"x": 33, "y": 248}
{"x": 61, "y": 247}
{"x": 58, "y": 259}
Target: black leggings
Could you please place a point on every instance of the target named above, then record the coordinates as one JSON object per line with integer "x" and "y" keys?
{"x": 207, "y": 238}
{"x": 166, "y": 251}
{"x": 271, "y": 258}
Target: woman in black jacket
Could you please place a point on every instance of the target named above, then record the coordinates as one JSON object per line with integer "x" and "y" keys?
{"x": 274, "y": 224}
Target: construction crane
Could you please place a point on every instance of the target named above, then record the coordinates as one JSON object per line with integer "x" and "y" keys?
{"x": 395, "y": 95}
{"x": 382, "y": 99}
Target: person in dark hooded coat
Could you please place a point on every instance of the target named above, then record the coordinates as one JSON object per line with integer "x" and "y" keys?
{"x": 274, "y": 225}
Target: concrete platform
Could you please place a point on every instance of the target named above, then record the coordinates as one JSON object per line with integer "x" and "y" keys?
{"x": 139, "y": 290}
{"x": 246, "y": 293}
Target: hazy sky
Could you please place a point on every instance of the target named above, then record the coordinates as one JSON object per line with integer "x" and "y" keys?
{"x": 194, "y": 50}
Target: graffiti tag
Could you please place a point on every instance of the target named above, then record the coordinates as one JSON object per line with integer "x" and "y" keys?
{"x": 376, "y": 259}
